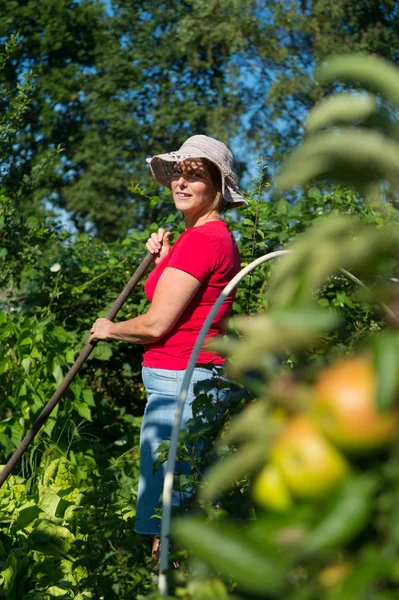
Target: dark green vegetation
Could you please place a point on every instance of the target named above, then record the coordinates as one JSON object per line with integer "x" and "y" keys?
{"x": 100, "y": 97}
{"x": 112, "y": 88}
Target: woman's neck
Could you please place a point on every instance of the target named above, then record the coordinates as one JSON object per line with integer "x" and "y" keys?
{"x": 202, "y": 219}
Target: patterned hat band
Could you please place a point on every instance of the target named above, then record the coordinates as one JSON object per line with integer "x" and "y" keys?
{"x": 200, "y": 146}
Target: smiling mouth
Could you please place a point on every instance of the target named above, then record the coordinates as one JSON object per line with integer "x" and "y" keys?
{"x": 183, "y": 195}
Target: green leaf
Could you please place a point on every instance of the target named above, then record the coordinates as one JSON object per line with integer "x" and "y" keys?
{"x": 282, "y": 207}
{"x": 369, "y": 71}
{"x": 385, "y": 352}
{"x": 51, "y": 539}
{"x": 345, "y": 517}
{"x": 315, "y": 193}
{"x": 70, "y": 356}
{"x": 57, "y": 592}
{"x": 49, "y": 500}
{"x": 4, "y": 366}
{"x": 312, "y": 319}
{"x": 57, "y": 372}
{"x": 27, "y": 513}
{"x": 102, "y": 351}
{"x": 82, "y": 409}
{"x": 347, "y": 154}
{"x": 8, "y": 575}
{"x": 231, "y": 469}
{"x": 227, "y": 550}
{"x": 333, "y": 243}
{"x": 32, "y": 222}
{"x": 363, "y": 580}
{"x": 345, "y": 107}
{"x": 26, "y": 362}
{"x": 50, "y": 424}
{"x": 88, "y": 397}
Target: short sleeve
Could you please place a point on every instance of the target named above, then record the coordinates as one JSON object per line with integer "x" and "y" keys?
{"x": 195, "y": 254}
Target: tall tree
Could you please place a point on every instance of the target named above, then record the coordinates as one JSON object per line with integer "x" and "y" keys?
{"x": 114, "y": 85}
{"x": 282, "y": 56}
{"x": 112, "y": 88}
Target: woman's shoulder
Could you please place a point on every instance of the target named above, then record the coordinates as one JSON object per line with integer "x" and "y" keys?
{"x": 210, "y": 236}
{"x": 210, "y": 229}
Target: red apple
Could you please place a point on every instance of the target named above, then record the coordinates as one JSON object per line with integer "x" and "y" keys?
{"x": 344, "y": 405}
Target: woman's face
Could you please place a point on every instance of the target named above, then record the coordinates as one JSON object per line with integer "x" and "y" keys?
{"x": 192, "y": 187}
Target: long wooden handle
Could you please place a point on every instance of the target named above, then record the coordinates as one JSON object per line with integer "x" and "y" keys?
{"x": 73, "y": 371}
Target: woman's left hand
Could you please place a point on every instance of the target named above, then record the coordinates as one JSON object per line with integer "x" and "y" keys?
{"x": 101, "y": 330}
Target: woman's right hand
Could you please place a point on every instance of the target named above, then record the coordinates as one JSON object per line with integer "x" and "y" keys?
{"x": 159, "y": 244}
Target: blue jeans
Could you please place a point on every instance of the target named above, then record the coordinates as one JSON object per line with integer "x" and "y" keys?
{"x": 163, "y": 387}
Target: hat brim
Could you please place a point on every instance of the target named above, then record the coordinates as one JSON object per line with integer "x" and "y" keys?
{"x": 162, "y": 169}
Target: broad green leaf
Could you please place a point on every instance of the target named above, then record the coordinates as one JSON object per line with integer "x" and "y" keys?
{"x": 49, "y": 425}
{"x": 17, "y": 432}
{"x": 315, "y": 193}
{"x": 88, "y": 397}
{"x": 27, "y": 513}
{"x": 8, "y": 575}
{"x": 4, "y": 366}
{"x": 82, "y": 409}
{"x": 26, "y": 363}
{"x": 366, "y": 575}
{"x": 228, "y": 551}
{"x": 70, "y": 356}
{"x": 345, "y": 517}
{"x": 292, "y": 328}
{"x": 346, "y": 153}
{"x": 282, "y": 207}
{"x": 57, "y": 372}
{"x": 336, "y": 242}
{"x": 51, "y": 502}
{"x": 32, "y": 222}
{"x": 60, "y": 474}
{"x": 102, "y": 351}
{"x": 385, "y": 352}
{"x": 51, "y": 539}
{"x": 225, "y": 474}
{"x": 56, "y": 592}
{"x": 345, "y": 107}
{"x": 372, "y": 72}
{"x": 6, "y": 443}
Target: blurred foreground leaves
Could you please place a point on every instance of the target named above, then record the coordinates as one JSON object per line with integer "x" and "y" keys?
{"x": 326, "y": 511}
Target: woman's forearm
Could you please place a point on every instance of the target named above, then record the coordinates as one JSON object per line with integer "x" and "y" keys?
{"x": 174, "y": 291}
{"x": 140, "y": 330}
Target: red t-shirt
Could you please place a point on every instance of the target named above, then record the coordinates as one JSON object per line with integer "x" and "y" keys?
{"x": 208, "y": 252}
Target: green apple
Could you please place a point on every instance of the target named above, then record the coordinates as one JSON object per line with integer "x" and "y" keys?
{"x": 309, "y": 464}
{"x": 270, "y": 490}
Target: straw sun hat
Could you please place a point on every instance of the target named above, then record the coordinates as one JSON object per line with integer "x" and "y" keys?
{"x": 200, "y": 146}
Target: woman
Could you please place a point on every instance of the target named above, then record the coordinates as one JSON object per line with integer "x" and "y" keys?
{"x": 182, "y": 289}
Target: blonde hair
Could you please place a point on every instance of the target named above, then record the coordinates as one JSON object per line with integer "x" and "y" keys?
{"x": 219, "y": 203}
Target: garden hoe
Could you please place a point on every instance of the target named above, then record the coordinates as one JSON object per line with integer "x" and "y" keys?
{"x": 73, "y": 371}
